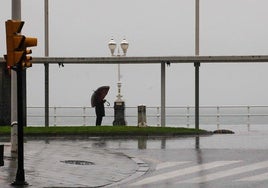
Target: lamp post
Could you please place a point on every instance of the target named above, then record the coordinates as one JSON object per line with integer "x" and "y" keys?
{"x": 119, "y": 104}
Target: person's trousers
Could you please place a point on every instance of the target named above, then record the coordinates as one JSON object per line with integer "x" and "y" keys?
{"x": 98, "y": 120}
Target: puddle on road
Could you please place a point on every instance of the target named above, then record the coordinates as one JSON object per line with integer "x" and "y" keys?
{"x": 77, "y": 162}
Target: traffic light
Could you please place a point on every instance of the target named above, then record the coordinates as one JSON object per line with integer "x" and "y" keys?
{"x": 17, "y": 45}
{"x": 13, "y": 42}
{"x": 28, "y": 42}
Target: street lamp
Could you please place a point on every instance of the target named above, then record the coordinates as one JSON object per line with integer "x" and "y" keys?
{"x": 119, "y": 104}
{"x": 112, "y": 46}
{"x": 124, "y": 45}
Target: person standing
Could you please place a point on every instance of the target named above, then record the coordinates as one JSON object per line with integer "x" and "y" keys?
{"x": 100, "y": 111}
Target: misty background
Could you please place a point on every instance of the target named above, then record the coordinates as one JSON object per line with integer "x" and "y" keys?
{"x": 83, "y": 28}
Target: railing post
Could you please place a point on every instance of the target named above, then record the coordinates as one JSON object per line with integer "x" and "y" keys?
{"x": 188, "y": 116}
{"x": 84, "y": 116}
{"x": 158, "y": 115}
{"x": 55, "y": 116}
{"x": 218, "y": 117}
{"x": 248, "y": 117}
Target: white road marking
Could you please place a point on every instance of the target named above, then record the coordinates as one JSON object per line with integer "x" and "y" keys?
{"x": 260, "y": 177}
{"x": 226, "y": 173}
{"x": 170, "y": 164}
{"x": 183, "y": 171}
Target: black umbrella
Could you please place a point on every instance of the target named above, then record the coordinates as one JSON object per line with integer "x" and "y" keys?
{"x": 99, "y": 95}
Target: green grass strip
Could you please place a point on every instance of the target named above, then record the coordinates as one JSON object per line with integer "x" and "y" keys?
{"x": 105, "y": 131}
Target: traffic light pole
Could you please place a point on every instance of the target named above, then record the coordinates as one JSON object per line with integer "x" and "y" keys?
{"x": 20, "y": 176}
{"x": 17, "y": 60}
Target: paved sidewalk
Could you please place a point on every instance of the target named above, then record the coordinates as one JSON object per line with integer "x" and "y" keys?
{"x": 70, "y": 163}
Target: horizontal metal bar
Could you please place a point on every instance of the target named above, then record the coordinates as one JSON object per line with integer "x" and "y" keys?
{"x": 216, "y": 115}
{"x": 149, "y": 60}
{"x": 153, "y": 115}
{"x": 154, "y": 107}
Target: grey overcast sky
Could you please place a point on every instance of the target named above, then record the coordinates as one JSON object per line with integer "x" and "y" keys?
{"x": 83, "y": 28}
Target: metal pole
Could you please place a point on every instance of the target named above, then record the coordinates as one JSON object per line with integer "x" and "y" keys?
{"x": 16, "y": 9}
{"x": 46, "y": 65}
{"x": 17, "y": 107}
{"x": 20, "y": 176}
{"x": 118, "y": 73}
{"x": 16, "y": 15}
{"x": 197, "y": 64}
{"x": 196, "y": 27}
{"x": 163, "y": 94}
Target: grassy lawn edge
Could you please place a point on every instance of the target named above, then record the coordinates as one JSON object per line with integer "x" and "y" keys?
{"x": 106, "y": 131}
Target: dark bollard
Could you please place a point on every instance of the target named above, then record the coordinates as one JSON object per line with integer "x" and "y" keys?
{"x": 119, "y": 113}
{"x": 1, "y": 155}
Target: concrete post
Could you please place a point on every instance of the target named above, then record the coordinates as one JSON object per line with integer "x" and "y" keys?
{"x": 142, "y": 116}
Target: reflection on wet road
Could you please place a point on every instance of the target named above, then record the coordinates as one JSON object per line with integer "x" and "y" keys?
{"x": 236, "y": 160}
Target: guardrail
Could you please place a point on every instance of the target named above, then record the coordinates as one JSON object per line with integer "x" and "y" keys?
{"x": 175, "y": 115}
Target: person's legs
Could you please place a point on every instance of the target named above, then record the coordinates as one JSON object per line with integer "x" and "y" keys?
{"x": 98, "y": 120}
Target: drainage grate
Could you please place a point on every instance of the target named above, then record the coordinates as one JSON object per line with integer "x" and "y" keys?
{"x": 77, "y": 162}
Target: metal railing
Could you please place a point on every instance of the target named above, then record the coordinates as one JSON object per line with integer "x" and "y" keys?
{"x": 175, "y": 115}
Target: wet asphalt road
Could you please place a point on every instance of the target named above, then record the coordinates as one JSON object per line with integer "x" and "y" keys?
{"x": 68, "y": 163}
{"x": 237, "y": 160}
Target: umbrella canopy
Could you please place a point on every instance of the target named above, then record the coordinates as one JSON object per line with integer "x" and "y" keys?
{"x": 99, "y": 95}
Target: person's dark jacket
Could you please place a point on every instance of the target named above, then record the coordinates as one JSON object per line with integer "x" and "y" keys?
{"x": 100, "y": 108}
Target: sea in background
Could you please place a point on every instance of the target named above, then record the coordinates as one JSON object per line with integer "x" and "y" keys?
{"x": 211, "y": 117}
